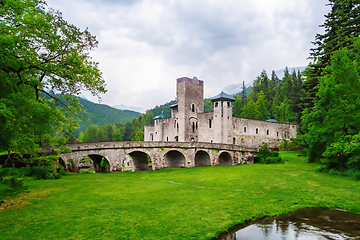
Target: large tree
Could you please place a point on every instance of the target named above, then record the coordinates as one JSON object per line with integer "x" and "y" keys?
{"x": 41, "y": 54}
{"x": 333, "y": 125}
{"x": 341, "y": 25}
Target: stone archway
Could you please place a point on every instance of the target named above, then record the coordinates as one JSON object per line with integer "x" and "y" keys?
{"x": 202, "y": 158}
{"x": 100, "y": 163}
{"x": 141, "y": 161}
{"x": 225, "y": 159}
{"x": 174, "y": 159}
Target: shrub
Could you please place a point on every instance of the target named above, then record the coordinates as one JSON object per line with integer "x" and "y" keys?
{"x": 265, "y": 156}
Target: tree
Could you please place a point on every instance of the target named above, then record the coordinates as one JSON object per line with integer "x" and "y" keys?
{"x": 91, "y": 134}
{"x": 333, "y": 125}
{"x": 261, "y": 107}
{"x": 341, "y": 25}
{"x": 249, "y": 110}
{"x": 237, "y": 106}
{"x": 41, "y": 54}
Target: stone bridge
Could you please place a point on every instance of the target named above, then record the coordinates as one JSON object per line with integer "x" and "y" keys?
{"x": 143, "y": 156}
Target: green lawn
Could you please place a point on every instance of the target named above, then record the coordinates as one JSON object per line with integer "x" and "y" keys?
{"x": 188, "y": 203}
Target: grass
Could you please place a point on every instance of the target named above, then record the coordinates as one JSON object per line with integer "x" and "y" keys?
{"x": 188, "y": 203}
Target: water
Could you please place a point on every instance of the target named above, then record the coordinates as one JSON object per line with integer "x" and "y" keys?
{"x": 303, "y": 224}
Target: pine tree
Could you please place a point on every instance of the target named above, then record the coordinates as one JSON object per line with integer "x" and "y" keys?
{"x": 342, "y": 24}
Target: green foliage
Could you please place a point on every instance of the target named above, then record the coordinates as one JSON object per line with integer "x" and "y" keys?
{"x": 237, "y": 106}
{"x": 265, "y": 156}
{"x": 41, "y": 54}
{"x": 104, "y": 165}
{"x": 13, "y": 178}
{"x": 287, "y": 145}
{"x": 341, "y": 27}
{"x": 333, "y": 130}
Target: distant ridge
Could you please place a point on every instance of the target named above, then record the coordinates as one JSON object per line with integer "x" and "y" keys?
{"x": 124, "y": 107}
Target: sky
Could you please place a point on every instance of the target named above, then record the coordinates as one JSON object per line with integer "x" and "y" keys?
{"x": 145, "y": 45}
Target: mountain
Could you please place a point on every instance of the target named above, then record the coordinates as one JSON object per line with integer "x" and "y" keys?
{"x": 101, "y": 115}
{"x": 124, "y": 107}
{"x": 236, "y": 88}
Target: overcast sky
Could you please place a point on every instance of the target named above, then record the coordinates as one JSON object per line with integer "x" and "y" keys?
{"x": 145, "y": 45}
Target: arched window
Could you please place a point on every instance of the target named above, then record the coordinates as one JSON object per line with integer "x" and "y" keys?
{"x": 267, "y": 132}
{"x": 257, "y": 131}
{"x": 193, "y": 107}
{"x": 209, "y": 123}
{"x": 193, "y": 127}
{"x": 152, "y": 137}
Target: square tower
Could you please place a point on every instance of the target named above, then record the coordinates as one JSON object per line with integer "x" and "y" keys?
{"x": 190, "y": 96}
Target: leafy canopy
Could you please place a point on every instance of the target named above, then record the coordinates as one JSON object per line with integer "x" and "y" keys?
{"x": 41, "y": 54}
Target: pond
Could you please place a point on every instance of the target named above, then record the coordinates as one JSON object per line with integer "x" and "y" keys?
{"x": 303, "y": 224}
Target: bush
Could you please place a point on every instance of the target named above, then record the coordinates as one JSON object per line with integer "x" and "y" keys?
{"x": 12, "y": 181}
{"x": 265, "y": 156}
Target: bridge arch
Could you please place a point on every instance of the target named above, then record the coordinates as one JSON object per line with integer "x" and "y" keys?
{"x": 101, "y": 163}
{"x": 225, "y": 158}
{"x": 141, "y": 161}
{"x": 202, "y": 158}
{"x": 174, "y": 159}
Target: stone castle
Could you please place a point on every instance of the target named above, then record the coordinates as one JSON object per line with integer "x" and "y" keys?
{"x": 189, "y": 122}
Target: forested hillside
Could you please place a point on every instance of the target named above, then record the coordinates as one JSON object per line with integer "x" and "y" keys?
{"x": 101, "y": 115}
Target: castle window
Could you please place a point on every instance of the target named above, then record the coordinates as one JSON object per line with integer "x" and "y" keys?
{"x": 257, "y": 131}
{"x": 211, "y": 141}
{"x": 176, "y": 139}
{"x": 244, "y": 129}
{"x": 196, "y": 125}
{"x": 193, "y": 107}
{"x": 234, "y": 140}
{"x": 152, "y": 137}
{"x": 228, "y": 104}
{"x": 177, "y": 126}
{"x": 209, "y": 123}
{"x": 216, "y": 104}
{"x": 167, "y": 138}
{"x": 193, "y": 127}
{"x": 277, "y": 134}
{"x": 267, "y": 132}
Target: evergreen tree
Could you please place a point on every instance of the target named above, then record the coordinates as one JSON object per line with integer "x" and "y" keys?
{"x": 342, "y": 24}
{"x": 261, "y": 107}
{"x": 249, "y": 110}
{"x": 237, "y": 106}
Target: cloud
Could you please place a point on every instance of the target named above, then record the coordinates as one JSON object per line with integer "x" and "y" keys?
{"x": 144, "y": 45}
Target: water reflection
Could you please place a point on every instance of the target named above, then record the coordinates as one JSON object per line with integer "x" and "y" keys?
{"x": 304, "y": 224}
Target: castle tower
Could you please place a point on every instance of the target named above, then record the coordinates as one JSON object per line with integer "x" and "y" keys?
{"x": 190, "y": 96}
{"x": 222, "y": 105}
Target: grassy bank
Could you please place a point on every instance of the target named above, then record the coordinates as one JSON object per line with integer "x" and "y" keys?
{"x": 195, "y": 203}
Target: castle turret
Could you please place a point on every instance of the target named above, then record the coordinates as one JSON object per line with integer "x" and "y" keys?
{"x": 222, "y": 104}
